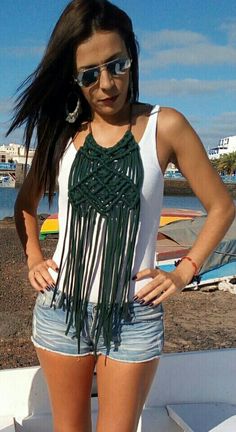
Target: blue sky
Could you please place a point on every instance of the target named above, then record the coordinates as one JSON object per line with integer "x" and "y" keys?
{"x": 187, "y": 59}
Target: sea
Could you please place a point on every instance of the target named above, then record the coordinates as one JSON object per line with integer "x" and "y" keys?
{"x": 8, "y": 197}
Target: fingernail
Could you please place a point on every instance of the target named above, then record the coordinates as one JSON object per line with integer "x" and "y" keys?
{"x": 48, "y": 288}
{"x": 52, "y": 286}
{"x": 42, "y": 292}
{"x": 134, "y": 277}
{"x": 142, "y": 301}
{"x": 151, "y": 304}
{"x": 135, "y": 298}
{"x": 57, "y": 269}
{"x": 148, "y": 303}
{"x": 138, "y": 300}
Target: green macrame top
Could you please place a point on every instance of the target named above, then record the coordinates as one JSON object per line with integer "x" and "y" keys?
{"x": 103, "y": 194}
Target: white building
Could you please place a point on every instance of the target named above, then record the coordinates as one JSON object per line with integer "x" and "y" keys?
{"x": 225, "y": 146}
{"x": 15, "y": 152}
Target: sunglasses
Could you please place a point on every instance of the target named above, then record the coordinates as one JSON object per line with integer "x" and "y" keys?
{"x": 117, "y": 67}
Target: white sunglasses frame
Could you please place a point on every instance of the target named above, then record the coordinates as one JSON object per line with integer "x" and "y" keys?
{"x": 80, "y": 74}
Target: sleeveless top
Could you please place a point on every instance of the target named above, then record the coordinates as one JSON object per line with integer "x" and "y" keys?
{"x": 150, "y": 209}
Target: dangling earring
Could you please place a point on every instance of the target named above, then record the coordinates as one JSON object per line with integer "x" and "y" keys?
{"x": 131, "y": 88}
{"x": 73, "y": 100}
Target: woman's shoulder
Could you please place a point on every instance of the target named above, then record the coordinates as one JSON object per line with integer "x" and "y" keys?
{"x": 166, "y": 113}
{"x": 171, "y": 121}
{"x": 142, "y": 109}
{"x": 141, "y": 113}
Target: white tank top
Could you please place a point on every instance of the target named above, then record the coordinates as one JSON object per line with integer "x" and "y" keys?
{"x": 150, "y": 208}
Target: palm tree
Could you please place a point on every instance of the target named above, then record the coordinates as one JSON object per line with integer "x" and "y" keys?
{"x": 215, "y": 163}
{"x": 226, "y": 163}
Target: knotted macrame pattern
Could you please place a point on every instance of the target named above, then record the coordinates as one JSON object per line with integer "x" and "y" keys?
{"x": 102, "y": 224}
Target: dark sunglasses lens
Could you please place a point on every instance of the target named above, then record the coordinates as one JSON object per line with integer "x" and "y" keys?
{"x": 115, "y": 68}
{"x": 89, "y": 77}
{"x": 118, "y": 67}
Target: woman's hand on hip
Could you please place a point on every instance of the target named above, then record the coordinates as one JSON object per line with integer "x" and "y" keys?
{"x": 40, "y": 277}
{"x": 163, "y": 285}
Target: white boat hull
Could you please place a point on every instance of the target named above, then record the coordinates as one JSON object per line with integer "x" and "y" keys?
{"x": 193, "y": 391}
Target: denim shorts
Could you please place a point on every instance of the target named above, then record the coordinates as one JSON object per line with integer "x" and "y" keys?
{"x": 141, "y": 337}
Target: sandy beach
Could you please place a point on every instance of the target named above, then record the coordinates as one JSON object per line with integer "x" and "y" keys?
{"x": 194, "y": 320}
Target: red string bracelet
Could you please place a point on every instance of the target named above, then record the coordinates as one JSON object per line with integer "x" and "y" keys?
{"x": 192, "y": 262}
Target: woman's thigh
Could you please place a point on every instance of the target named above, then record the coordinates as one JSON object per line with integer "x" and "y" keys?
{"x": 122, "y": 391}
{"x": 69, "y": 380}
{"x": 138, "y": 336}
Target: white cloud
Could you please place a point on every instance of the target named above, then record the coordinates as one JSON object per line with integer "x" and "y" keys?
{"x": 179, "y": 47}
{"x": 229, "y": 27}
{"x": 204, "y": 54}
{"x": 22, "y": 51}
{"x": 218, "y": 127}
{"x": 185, "y": 87}
{"x": 6, "y": 106}
{"x": 174, "y": 38}
{"x": 16, "y": 136}
{"x": 226, "y": 123}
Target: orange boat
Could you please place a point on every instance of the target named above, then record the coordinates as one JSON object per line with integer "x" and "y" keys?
{"x": 169, "y": 215}
{"x": 51, "y": 226}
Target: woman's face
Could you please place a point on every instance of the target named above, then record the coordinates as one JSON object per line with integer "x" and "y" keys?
{"x": 108, "y": 94}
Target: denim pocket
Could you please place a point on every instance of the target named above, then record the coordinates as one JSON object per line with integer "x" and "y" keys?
{"x": 142, "y": 313}
{"x": 44, "y": 299}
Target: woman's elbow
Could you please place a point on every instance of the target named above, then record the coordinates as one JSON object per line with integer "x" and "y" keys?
{"x": 232, "y": 211}
{"x": 24, "y": 203}
{"x": 223, "y": 210}
{"x": 228, "y": 212}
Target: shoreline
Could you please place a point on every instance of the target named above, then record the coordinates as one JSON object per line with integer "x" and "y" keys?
{"x": 182, "y": 187}
{"x": 194, "y": 320}
{"x": 172, "y": 188}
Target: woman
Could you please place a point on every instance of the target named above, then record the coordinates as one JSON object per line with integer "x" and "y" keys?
{"x": 99, "y": 297}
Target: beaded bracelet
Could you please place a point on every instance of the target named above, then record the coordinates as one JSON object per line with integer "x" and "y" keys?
{"x": 193, "y": 264}
{"x": 196, "y": 277}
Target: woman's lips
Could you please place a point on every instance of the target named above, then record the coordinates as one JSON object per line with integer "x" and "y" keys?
{"x": 109, "y": 101}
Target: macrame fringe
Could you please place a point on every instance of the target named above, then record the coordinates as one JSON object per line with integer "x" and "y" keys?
{"x": 102, "y": 224}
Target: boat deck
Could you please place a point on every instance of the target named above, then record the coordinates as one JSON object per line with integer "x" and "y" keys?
{"x": 192, "y": 392}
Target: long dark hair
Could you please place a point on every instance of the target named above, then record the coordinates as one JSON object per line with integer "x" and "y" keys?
{"x": 44, "y": 94}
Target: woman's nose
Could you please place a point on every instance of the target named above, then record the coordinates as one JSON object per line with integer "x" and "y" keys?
{"x": 106, "y": 79}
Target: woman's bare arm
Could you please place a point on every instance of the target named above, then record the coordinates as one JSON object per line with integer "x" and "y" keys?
{"x": 205, "y": 183}
{"x": 184, "y": 146}
{"x": 27, "y": 228}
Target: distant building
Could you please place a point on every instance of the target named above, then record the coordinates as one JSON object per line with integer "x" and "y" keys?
{"x": 172, "y": 171}
{"x": 225, "y": 146}
{"x": 16, "y": 153}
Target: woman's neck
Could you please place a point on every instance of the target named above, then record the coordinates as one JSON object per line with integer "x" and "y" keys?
{"x": 121, "y": 118}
